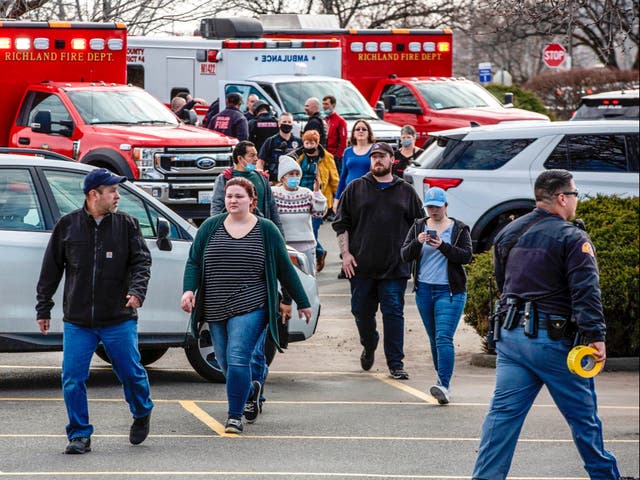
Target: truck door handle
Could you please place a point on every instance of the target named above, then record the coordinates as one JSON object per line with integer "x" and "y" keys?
{"x": 24, "y": 140}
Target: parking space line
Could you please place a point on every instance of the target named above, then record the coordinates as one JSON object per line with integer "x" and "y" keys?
{"x": 263, "y": 474}
{"x": 204, "y": 417}
{"x": 405, "y": 388}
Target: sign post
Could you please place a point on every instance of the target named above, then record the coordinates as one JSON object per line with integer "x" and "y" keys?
{"x": 554, "y": 55}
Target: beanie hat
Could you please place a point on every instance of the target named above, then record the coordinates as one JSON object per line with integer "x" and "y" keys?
{"x": 311, "y": 135}
{"x": 287, "y": 164}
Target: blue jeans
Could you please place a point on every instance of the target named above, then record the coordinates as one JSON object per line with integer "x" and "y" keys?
{"x": 440, "y": 312}
{"x": 366, "y": 294}
{"x": 259, "y": 367}
{"x": 523, "y": 366}
{"x": 315, "y": 223}
{"x": 121, "y": 344}
{"x": 233, "y": 341}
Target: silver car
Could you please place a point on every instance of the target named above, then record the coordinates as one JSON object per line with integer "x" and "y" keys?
{"x": 34, "y": 193}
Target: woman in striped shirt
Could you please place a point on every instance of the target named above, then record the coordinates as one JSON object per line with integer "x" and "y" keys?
{"x": 231, "y": 282}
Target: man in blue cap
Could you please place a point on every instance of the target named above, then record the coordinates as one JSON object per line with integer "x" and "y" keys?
{"x": 107, "y": 265}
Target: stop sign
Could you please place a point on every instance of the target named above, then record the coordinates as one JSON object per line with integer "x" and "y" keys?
{"x": 553, "y": 55}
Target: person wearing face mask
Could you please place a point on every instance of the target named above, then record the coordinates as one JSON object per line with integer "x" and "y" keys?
{"x": 279, "y": 144}
{"x": 336, "y": 130}
{"x": 407, "y": 152}
{"x": 318, "y": 167}
{"x": 296, "y": 206}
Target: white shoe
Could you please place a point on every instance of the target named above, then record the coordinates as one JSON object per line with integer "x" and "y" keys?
{"x": 440, "y": 393}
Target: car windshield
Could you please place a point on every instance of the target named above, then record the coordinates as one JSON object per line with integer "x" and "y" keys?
{"x": 351, "y": 104}
{"x": 121, "y": 107}
{"x": 443, "y": 95}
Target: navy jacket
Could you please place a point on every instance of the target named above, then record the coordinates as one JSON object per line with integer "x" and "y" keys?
{"x": 230, "y": 122}
{"x": 554, "y": 265}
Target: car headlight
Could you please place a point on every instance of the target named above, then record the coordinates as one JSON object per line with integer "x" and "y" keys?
{"x": 145, "y": 159}
{"x": 300, "y": 261}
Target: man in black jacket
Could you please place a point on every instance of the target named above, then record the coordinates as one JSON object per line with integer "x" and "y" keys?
{"x": 107, "y": 265}
{"x": 374, "y": 216}
{"x": 315, "y": 121}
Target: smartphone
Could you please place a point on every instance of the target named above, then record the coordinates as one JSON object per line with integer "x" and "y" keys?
{"x": 432, "y": 233}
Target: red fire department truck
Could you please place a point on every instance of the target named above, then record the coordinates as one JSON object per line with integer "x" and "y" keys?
{"x": 64, "y": 90}
{"x": 407, "y": 74}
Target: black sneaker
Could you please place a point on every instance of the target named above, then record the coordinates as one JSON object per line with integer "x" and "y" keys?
{"x": 78, "y": 446}
{"x": 398, "y": 373}
{"x": 139, "y": 430}
{"x": 233, "y": 425}
{"x": 366, "y": 359}
{"x": 252, "y": 407}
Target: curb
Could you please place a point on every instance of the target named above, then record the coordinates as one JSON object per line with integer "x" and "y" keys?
{"x": 619, "y": 364}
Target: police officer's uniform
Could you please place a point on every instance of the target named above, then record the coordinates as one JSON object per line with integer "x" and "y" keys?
{"x": 551, "y": 262}
{"x": 262, "y": 127}
{"x": 273, "y": 148}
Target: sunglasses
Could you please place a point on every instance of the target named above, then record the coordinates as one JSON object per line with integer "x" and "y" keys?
{"x": 576, "y": 193}
{"x": 363, "y": 129}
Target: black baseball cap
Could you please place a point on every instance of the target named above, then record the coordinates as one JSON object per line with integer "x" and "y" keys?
{"x": 381, "y": 147}
{"x": 99, "y": 177}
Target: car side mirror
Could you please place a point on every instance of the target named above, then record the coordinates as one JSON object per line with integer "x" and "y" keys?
{"x": 42, "y": 122}
{"x": 163, "y": 228}
{"x": 380, "y": 109}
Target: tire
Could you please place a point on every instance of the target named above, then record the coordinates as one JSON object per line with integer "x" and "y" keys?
{"x": 148, "y": 356}
{"x": 202, "y": 357}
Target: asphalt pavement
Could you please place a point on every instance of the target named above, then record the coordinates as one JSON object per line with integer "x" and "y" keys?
{"x": 324, "y": 418}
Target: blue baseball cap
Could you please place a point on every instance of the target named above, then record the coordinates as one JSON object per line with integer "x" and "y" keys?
{"x": 435, "y": 197}
{"x": 100, "y": 176}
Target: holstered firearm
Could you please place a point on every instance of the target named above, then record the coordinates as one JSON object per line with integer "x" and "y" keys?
{"x": 495, "y": 320}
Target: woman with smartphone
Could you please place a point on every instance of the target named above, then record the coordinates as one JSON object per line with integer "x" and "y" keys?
{"x": 439, "y": 246}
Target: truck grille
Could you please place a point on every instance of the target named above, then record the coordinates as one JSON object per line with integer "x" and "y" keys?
{"x": 193, "y": 161}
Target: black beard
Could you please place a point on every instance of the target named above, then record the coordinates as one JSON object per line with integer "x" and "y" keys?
{"x": 381, "y": 173}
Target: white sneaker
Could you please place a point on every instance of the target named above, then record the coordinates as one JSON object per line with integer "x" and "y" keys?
{"x": 440, "y": 393}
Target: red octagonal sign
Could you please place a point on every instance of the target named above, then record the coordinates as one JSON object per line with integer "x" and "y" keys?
{"x": 554, "y": 55}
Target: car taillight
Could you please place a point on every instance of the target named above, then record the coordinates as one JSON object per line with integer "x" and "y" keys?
{"x": 443, "y": 183}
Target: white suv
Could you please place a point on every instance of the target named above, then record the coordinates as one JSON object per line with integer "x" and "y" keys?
{"x": 489, "y": 171}
{"x": 34, "y": 193}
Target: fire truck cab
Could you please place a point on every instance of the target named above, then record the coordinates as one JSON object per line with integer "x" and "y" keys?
{"x": 64, "y": 90}
{"x": 283, "y": 73}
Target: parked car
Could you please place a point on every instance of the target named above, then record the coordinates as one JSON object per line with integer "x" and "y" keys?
{"x": 615, "y": 105}
{"x": 489, "y": 171}
{"x": 34, "y": 193}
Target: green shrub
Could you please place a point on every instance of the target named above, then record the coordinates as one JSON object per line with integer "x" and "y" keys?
{"x": 522, "y": 98}
{"x": 612, "y": 224}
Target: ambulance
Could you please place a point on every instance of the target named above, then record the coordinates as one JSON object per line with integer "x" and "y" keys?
{"x": 228, "y": 57}
{"x": 64, "y": 90}
{"x": 407, "y": 74}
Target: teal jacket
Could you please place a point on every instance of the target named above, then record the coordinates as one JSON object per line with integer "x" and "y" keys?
{"x": 277, "y": 266}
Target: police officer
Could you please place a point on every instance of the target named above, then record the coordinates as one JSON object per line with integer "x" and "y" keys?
{"x": 263, "y": 125}
{"x": 546, "y": 269}
{"x": 279, "y": 144}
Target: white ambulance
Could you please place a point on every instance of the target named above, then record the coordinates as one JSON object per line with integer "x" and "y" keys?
{"x": 283, "y": 73}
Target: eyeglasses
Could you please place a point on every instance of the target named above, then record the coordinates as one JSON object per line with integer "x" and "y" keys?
{"x": 576, "y": 193}
{"x": 361, "y": 129}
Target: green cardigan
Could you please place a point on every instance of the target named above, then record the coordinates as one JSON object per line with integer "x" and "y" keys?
{"x": 277, "y": 266}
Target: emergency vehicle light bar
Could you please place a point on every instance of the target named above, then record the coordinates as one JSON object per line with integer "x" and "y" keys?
{"x": 358, "y": 47}
{"x": 42, "y": 43}
{"x": 237, "y": 44}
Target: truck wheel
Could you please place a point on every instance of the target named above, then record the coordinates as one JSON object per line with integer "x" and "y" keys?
{"x": 148, "y": 356}
{"x": 202, "y": 357}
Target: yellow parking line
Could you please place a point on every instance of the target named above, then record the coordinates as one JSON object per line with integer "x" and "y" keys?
{"x": 405, "y": 388}
{"x": 204, "y": 417}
